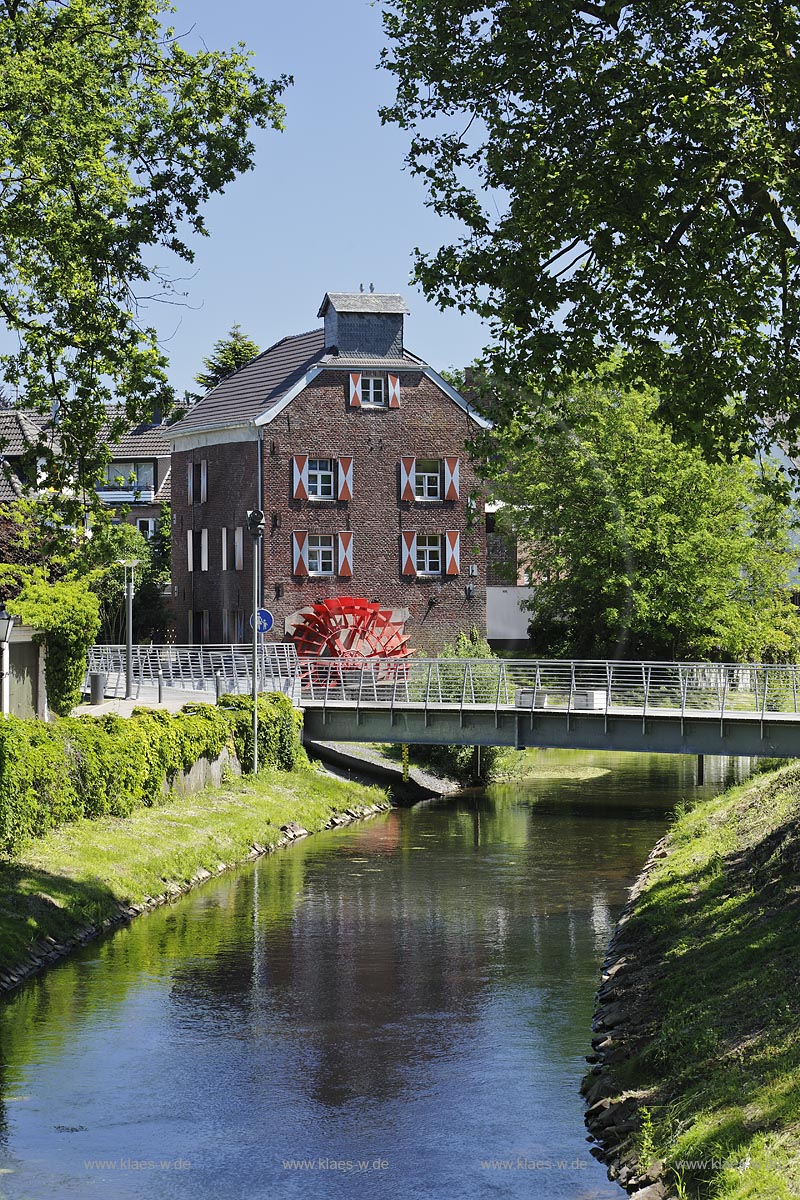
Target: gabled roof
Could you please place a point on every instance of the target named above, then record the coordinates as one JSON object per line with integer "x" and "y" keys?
{"x": 247, "y": 392}
{"x": 363, "y": 302}
{"x": 20, "y": 428}
{"x": 255, "y": 393}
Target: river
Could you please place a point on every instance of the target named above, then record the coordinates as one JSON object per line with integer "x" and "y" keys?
{"x": 397, "y": 1008}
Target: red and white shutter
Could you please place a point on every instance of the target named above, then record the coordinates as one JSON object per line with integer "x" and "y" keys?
{"x": 190, "y": 482}
{"x": 408, "y": 554}
{"x": 189, "y": 550}
{"x": 345, "y": 488}
{"x": 452, "y": 553}
{"x": 451, "y": 478}
{"x": 408, "y": 473}
{"x": 300, "y": 552}
{"x": 355, "y": 389}
{"x": 394, "y": 391}
{"x": 203, "y": 480}
{"x": 300, "y": 477}
{"x": 346, "y": 554}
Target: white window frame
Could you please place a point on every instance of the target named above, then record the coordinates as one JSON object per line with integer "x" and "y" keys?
{"x": 429, "y": 554}
{"x": 321, "y": 472}
{"x": 319, "y": 545}
{"x": 427, "y": 479}
{"x": 370, "y": 386}
{"x": 151, "y": 523}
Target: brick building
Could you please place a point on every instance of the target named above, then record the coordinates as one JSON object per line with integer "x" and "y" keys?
{"x": 354, "y": 449}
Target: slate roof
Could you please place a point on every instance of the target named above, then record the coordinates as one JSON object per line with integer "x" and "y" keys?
{"x": 372, "y": 362}
{"x": 363, "y": 302}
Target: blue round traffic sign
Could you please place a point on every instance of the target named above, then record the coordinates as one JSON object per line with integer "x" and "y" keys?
{"x": 265, "y": 620}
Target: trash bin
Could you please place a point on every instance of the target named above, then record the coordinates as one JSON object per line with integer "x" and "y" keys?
{"x": 97, "y": 687}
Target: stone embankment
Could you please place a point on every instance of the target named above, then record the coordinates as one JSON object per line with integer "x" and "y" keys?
{"x": 49, "y": 950}
{"x": 622, "y": 1025}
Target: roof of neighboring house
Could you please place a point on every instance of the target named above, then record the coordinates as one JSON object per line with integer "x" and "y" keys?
{"x": 145, "y": 441}
{"x": 164, "y": 493}
{"x": 10, "y": 483}
{"x": 20, "y": 428}
{"x": 363, "y": 302}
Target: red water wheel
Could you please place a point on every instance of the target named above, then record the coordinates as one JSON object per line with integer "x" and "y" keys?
{"x": 350, "y": 627}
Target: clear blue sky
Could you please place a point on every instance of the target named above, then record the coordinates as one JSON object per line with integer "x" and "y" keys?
{"x": 329, "y": 205}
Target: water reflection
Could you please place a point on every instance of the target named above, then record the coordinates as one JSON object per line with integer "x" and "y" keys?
{"x": 412, "y": 994}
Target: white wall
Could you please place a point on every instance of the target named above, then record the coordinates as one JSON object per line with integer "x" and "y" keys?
{"x": 504, "y": 617}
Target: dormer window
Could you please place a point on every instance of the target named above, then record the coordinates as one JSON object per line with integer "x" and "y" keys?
{"x": 373, "y": 390}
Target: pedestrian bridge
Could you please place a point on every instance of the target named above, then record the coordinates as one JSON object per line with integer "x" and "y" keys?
{"x": 748, "y": 709}
{"x": 671, "y": 708}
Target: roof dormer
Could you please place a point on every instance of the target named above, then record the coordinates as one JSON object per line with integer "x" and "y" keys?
{"x": 367, "y": 324}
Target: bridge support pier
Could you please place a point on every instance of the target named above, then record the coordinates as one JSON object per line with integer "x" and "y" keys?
{"x": 476, "y": 764}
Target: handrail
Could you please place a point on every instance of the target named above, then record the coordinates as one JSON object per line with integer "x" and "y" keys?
{"x": 574, "y": 686}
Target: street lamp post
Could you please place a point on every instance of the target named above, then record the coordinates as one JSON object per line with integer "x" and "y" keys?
{"x": 128, "y": 564}
{"x": 255, "y": 527}
{"x": 6, "y": 625}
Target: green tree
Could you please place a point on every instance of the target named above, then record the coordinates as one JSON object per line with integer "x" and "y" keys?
{"x": 100, "y": 559}
{"x": 228, "y": 355}
{"x": 625, "y": 175}
{"x": 43, "y": 539}
{"x": 66, "y": 615}
{"x": 113, "y": 138}
{"x": 636, "y": 545}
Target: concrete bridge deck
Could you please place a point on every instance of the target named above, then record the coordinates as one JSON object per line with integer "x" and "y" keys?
{"x": 671, "y": 708}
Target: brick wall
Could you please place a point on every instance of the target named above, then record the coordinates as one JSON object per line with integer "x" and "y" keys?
{"x": 231, "y": 490}
{"x": 320, "y": 423}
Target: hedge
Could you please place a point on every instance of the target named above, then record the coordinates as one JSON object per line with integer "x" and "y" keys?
{"x": 279, "y": 730}
{"x": 108, "y": 766}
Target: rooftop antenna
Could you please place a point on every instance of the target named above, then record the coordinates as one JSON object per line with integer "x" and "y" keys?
{"x": 372, "y": 287}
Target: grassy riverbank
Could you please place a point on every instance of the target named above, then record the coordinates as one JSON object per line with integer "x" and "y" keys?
{"x": 81, "y": 873}
{"x": 707, "y": 998}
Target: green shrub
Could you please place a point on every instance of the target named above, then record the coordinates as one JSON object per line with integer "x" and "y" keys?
{"x": 279, "y": 730}
{"x": 108, "y": 766}
{"x": 66, "y": 616}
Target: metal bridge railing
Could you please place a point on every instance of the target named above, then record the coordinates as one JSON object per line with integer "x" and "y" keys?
{"x": 570, "y": 685}
{"x": 201, "y": 669}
